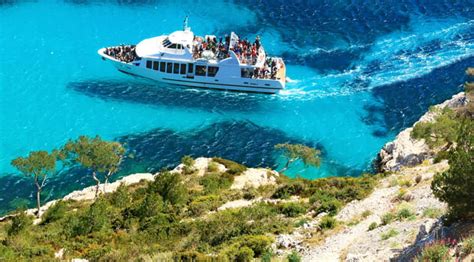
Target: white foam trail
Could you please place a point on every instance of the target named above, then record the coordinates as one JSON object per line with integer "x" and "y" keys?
{"x": 397, "y": 57}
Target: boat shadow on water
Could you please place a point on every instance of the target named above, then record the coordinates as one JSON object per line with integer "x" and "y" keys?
{"x": 145, "y": 92}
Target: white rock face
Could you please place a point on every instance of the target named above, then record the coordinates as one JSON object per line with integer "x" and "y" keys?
{"x": 408, "y": 152}
{"x": 201, "y": 164}
{"x": 88, "y": 193}
{"x": 255, "y": 177}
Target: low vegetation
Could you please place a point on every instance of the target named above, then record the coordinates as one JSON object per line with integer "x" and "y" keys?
{"x": 176, "y": 216}
{"x": 389, "y": 234}
{"x": 451, "y": 134}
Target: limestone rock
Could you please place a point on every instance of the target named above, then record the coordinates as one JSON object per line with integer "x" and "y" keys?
{"x": 407, "y": 152}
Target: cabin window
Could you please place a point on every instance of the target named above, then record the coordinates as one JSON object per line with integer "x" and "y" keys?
{"x": 179, "y": 46}
{"x": 212, "y": 71}
{"x": 162, "y": 66}
{"x": 246, "y": 72}
{"x": 166, "y": 42}
{"x": 169, "y": 67}
{"x": 190, "y": 68}
{"x": 148, "y": 63}
{"x": 176, "y": 68}
{"x": 183, "y": 69}
{"x": 172, "y": 46}
{"x": 155, "y": 65}
{"x": 200, "y": 70}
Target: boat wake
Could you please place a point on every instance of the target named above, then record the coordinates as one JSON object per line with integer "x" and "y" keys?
{"x": 396, "y": 57}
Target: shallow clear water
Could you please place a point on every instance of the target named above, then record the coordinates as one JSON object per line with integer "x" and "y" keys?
{"x": 358, "y": 75}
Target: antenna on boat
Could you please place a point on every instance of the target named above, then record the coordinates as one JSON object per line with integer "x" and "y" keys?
{"x": 185, "y": 24}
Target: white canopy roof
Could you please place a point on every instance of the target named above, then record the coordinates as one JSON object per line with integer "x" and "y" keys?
{"x": 149, "y": 47}
{"x": 182, "y": 37}
{"x": 154, "y": 46}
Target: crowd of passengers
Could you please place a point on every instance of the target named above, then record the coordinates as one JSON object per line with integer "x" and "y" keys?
{"x": 246, "y": 51}
{"x": 268, "y": 71}
{"x": 124, "y": 53}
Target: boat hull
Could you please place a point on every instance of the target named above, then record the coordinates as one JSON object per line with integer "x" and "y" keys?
{"x": 250, "y": 85}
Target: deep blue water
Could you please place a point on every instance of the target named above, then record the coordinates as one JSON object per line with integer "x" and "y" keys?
{"x": 359, "y": 73}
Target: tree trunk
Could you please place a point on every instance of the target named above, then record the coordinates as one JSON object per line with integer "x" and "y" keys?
{"x": 105, "y": 183}
{"x": 97, "y": 181}
{"x": 38, "y": 202}
{"x": 286, "y": 166}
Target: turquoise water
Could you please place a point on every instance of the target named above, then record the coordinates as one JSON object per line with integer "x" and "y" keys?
{"x": 358, "y": 75}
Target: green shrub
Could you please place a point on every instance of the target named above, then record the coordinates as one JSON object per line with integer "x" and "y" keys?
{"x": 215, "y": 182}
{"x": 191, "y": 256}
{"x": 405, "y": 213}
{"x": 401, "y": 194}
{"x": 366, "y": 213}
{"x": 169, "y": 185}
{"x": 291, "y": 209}
{"x": 301, "y": 222}
{"x": 293, "y": 257}
{"x": 468, "y": 246}
{"x": 443, "y": 130}
{"x": 267, "y": 255}
{"x": 344, "y": 189}
{"x": 204, "y": 204}
{"x": 7, "y": 253}
{"x": 325, "y": 203}
{"x": 150, "y": 206}
{"x": 243, "y": 254}
{"x": 391, "y": 233}
{"x": 387, "y": 218}
{"x": 372, "y": 226}
{"x": 455, "y": 185}
{"x": 233, "y": 168}
{"x": 95, "y": 219}
{"x": 121, "y": 197}
{"x": 188, "y": 163}
{"x": 293, "y": 188}
{"x": 393, "y": 182}
{"x": 432, "y": 212}
{"x": 158, "y": 226}
{"x": 54, "y": 212}
{"x": 404, "y": 183}
{"x": 328, "y": 222}
{"x": 249, "y": 193}
{"x": 20, "y": 222}
{"x": 259, "y": 244}
{"x": 212, "y": 167}
{"x": 228, "y": 224}
{"x": 435, "y": 252}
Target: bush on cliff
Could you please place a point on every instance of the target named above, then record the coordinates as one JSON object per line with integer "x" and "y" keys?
{"x": 170, "y": 187}
{"x": 172, "y": 215}
{"x": 455, "y": 185}
{"x": 233, "y": 168}
{"x": 441, "y": 132}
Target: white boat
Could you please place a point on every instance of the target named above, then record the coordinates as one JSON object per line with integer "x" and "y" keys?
{"x": 182, "y": 58}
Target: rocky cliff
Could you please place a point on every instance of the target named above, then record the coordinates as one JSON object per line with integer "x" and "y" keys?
{"x": 405, "y": 151}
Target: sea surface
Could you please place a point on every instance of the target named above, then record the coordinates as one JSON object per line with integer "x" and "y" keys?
{"x": 358, "y": 74}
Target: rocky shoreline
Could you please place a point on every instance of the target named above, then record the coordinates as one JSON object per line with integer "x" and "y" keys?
{"x": 405, "y": 151}
{"x": 405, "y": 158}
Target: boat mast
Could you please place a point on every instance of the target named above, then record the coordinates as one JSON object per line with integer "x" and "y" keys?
{"x": 185, "y": 24}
